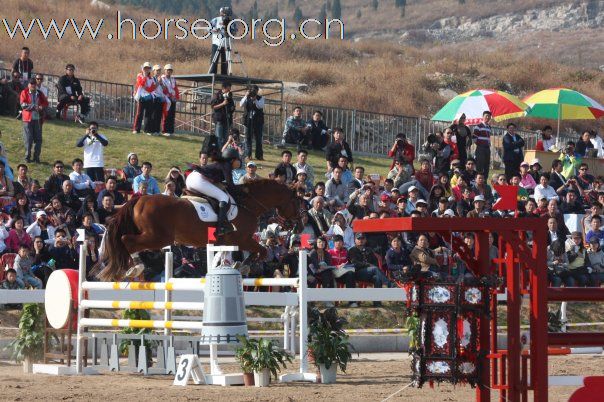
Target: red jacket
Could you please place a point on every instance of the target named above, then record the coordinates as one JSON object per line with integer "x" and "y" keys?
{"x": 425, "y": 178}
{"x": 407, "y": 153}
{"x": 145, "y": 86}
{"x": 454, "y": 149}
{"x": 25, "y": 100}
{"x": 338, "y": 257}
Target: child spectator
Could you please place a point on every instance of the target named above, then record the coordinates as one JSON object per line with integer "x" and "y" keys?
{"x": 22, "y": 266}
{"x": 10, "y": 283}
{"x": 595, "y": 232}
{"x": 142, "y": 190}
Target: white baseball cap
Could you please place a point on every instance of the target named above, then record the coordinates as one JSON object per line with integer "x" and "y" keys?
{"x": 40, "y": 213}
{"x": 146, "y": 65}
{"x": 449, "y": 212}
{"x": 479, "y": 198}
{"x": 412, "y": 188}
{"x": 168, "y": 67}
{"x": 421, "y": 202}
{"x": 156, "y": 67}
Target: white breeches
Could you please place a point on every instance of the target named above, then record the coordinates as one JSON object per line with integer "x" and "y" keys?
{"x": 196, "y": 181}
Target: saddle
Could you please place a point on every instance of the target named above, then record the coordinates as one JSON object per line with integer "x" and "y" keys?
{"x": 201, "y": 198}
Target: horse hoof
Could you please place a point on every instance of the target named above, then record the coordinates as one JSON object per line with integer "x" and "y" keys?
{"x": 135, "y": 271}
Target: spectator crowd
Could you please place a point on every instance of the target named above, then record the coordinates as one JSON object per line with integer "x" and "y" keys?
{"x": 448, "y": 175}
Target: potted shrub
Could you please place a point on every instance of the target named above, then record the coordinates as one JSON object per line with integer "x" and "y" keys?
{"x": 328, "y": 343}
{"x": 28, "y": 347}
{"x": 243, "y": 354}
{"x": 265, "y": 358}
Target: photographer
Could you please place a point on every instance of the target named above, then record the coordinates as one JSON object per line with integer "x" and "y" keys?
{"x": 233, "y": 142}
{"x": 219, "y": 40}
{"x": 402, "y": 151}
{"x": 570, "y": 161}
{"x": 222, "y": 115}
{"x": 93, "y": 143}
{"x": 70, "y": 93}
{"x": 254, "y": 121}
{"x": 319, "y": 133}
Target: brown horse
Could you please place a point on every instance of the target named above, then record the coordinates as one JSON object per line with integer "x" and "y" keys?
{"x": 156, "y": 221}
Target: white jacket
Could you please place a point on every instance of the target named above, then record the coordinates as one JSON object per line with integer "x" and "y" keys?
{"x": 93, "y": 152}
{"x": 34, "y": 230}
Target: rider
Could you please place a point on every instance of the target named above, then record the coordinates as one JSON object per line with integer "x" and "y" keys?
{"x": 204, "y": 179}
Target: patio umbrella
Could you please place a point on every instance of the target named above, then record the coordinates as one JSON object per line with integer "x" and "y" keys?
{"x": 563, "y": 104}
{"x": 473, "y": 103}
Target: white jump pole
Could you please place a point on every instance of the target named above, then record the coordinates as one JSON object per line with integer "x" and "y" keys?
{"x": 168, "y": 273}
{"x": 81, "y": 277}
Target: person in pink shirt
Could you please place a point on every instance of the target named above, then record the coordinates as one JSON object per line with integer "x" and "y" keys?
{"x": 526, "y": 180}
{"x": 17, "y": 236}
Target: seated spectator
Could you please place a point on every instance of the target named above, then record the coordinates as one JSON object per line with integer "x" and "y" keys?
{"x": 442, "y": 207}
{"x": 7, "y": 190}
{"x": 577, "y": 260}
{"x": 3, "y": 235}
{"x": 42, "y": 228}
{"x": 458, "y": 190}
{"x": 594, "y": 210}
{"x": 111, "y": 189}
{"x": 479, "y": 208}
{"x": 470, "y": 172}
{"x": 522, "y": 195}
{"x": 174, "y": 175}
{"x": 547, "y": 141}
{"x": 68, "y": 196}
{"x": 88, "y": 206}
{"x": 443, "y": 180}
{"x": 10, "y": 283}
{"x": 82, "y": 183}
{"x": 344, "y": 270}
{"x": 389, "y": 188}
{"x": 421, "y": 206}
{"x": 397, "y": 258}
{"x": 535, "y": 171}
{"x": 319, "y": 190}
{"x": 526, "y": 180}
{"x": 595, "y": 231}
{"x": 234, "y": 141}
{"x": 54, "y": 183}
{"x": 93, "y": 143}
{"x": 482, "y": 188}
{"x": 142, "y": 190}
{"x": 307, "y": 226}
{"x": 250, "y": 173}
{"x": 106, "y": 209}
{"x": 91, "y": 229}
{"x": 17, "y": 236}
{"x": 436, "y": 193}
{"x": 92, "y": 256}
{"x": 22, "y": 208}
{"x": 570, "y": 160}
{"x": 340, "y": 227}
{"x": 131, "y": 170}
{"x": 22, "y": 179}
{"x": 335, "y": 190}
{"x": 145, "y": 177}
{"x": 595, "y": 260}
{"x": 22, "y": 266}
{"x": 366, "y": 264}
{"x": 296, "y": 130}
{"x": 398, "y": 174}
{"x": 274, "y": 256}
{"x": 170, "y": 189}
{"x": 425, "y": 257}
{"x": 286, "y": 167}
{"x": 63, "y": 251}
{"x": 70, "y": 92}
{"x": 302, "y": 164}
{"x": 553, "y": 231}
{"x": 319, "y": 132}
{"x": 464, "y": 205}
{"x": 412, "y": 198}
{"x": 37, "y": 196}
{"x": 530, "y": 209}
{"x": 571, "y": 205}
{"x": 320, "y": 269}
{"x": 338, "y": 147}
{"x": 545, "y": 190}
{"x": 320, "y": 216}
{"x": 554, "y": 212}
{"x": 60, "y": 216}
{"x": 402, "y": 151}
{"x": 584, "y": 144}
{"x": 42, "y": 264}
{"x": 424, "y": 177}
{"x": 302, "y": 181}
{"x": 447, "y": 136}
{"x": 557, "y": 264}
{"x": 347, "y": 175}
{"x": 359, "y": 209}
{"x": 585, "y": 180}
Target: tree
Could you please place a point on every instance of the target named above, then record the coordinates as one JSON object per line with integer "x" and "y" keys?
{"x": 323, "y": 13}
{"x": 298, "y": 17}
{"x": 336, "y": 9}
{"x": 375, "y": 4}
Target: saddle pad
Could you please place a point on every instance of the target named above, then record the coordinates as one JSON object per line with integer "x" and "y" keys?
{"x": 207, "y": 214}
{"x": 195, "y": 198}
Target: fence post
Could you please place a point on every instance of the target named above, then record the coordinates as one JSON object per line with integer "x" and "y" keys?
{"x": 302, "y": 285}
{"x": 81, "y": 276}
{"x": 169, "y": 272}
{"x": 353, "y": 122}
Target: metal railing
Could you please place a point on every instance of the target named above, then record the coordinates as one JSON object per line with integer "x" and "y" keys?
{"x": 368, "y": 133}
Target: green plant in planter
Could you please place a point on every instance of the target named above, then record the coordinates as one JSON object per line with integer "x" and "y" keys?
{"x": 136, "y": 314}
{"x": 412, "y": 324}
{"x": 30, "y": 341}
{"x": 327, "y": 341}
{"x": 259, "y": 354}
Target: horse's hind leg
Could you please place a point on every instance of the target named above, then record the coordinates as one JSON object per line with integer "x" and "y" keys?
{"x": 139, "y": 242}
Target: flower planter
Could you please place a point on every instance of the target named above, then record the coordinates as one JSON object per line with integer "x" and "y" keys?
{"x": 328, "y": 375}
{"x": 262, "y": 378}
{"x": 28, "y": 365}
{"x": 248, "y": 379}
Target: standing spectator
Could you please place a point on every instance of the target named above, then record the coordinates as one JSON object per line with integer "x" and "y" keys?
{"x": 253, "y": 104}
{"x": 62, "y": 251}
{"x": 547, "y": 141}
{"x": 450, "y": 141}
{"x": 111, "y": 189}
{"x": 526, "y": 180}
{"x": 54, "y": 183}
{"x": 482, "y": 138}
{"x": 47, "y": 113}
{"x": 94, "y": 160}
{"x": 145, "y": 176}
{"x": 22, "y": 266}
{"x": 442, "y": 159}
{"x": 512, "y": 151}
{"x": 131, "y": 170}
{"x": 222, "y": 115}
{"x": 570, "y": 161}
{"x": 70, "y": 92}
{"x": 106, "y": 209}
{"x": 335, "y": 190}
{"x": 24, "y": 66}
{"x": 319, "y": 133}
{"x": 301, "y": 164}
{"x": 82, "y": 183}
{"x": 464, "y": 137}
{"x": 296, "y": 130}
{"x": 402, "y": 151}
{"x": 338, "y": 147}
{"x": 159, "y": 101}
{"x": 33, "y": 102}
{"x": 17, "y": 236}
{"x": 286, "y": 167}
{"x": 172, "y": 95}
{"x": 144, "y": 90}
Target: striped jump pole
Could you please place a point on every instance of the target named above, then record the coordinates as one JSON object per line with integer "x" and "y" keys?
{"x": 116, "y": 323}
{"x": 184, "y": 284}
{"x": 142, "y": 305}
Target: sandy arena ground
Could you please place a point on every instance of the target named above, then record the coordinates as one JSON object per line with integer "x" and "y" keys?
{"x": 370, "y": 378}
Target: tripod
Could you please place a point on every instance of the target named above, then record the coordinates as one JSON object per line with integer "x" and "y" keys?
{"x": 226, "y": 46}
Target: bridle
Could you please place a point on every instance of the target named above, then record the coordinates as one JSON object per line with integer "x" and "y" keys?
{"x": 281, "y": 220}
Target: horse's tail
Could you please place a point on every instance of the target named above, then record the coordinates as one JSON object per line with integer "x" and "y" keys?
{"x": 115, "y": 254}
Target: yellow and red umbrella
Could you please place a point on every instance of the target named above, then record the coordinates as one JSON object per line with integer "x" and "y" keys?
{"x": 502, "y": 106}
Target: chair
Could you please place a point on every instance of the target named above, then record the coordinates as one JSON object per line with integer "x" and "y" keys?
{"x": 7, "y": 259}
{"x": 76, "y": 111}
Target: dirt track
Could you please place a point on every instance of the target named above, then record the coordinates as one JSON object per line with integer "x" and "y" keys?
{"x": 367, "y": 380}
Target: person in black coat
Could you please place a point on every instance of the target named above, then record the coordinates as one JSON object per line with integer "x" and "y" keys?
{"x": 338, "y": 148}
{"x": 63, "y": 251}
{"x": 319, "y": 133}
{"x": 512, "y": 151}
{"x": 70, "y": 92}
{"x": 223, "y": 107}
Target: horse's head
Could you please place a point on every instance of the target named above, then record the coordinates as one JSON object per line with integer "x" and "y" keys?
{"x": 269, "y": 194}
{"x": 290, "y": 211}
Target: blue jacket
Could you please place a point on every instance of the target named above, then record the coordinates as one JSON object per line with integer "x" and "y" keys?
{"x": 152, "y": 186}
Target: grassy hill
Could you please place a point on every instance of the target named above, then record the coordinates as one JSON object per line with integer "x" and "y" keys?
{"x": 60, "y": 139}
{"x": 373, "y": 74}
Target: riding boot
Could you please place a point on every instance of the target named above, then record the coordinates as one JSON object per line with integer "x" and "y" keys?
{"x": 223, "y": 225}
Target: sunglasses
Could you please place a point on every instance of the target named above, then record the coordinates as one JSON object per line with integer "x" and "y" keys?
{"x": 59, "y": 167}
